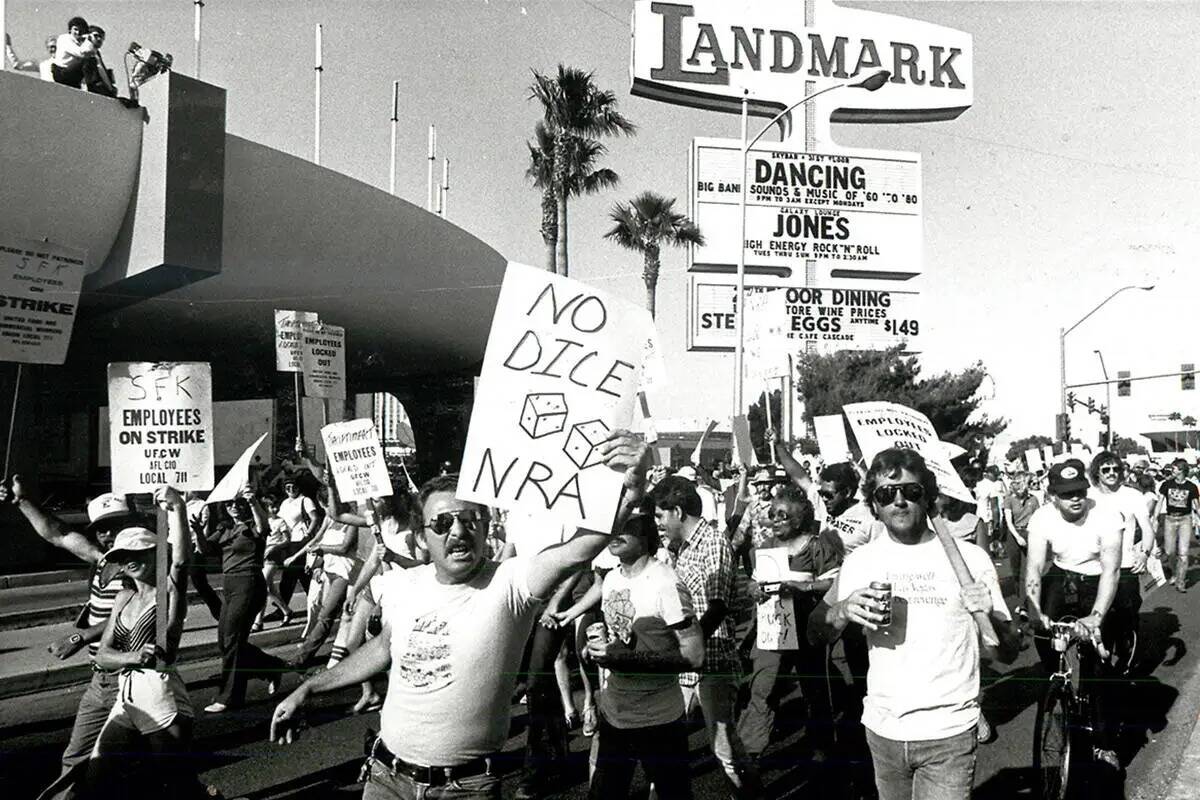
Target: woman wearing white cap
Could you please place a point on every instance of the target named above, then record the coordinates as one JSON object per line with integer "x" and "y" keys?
{"x": 152, "y": 701}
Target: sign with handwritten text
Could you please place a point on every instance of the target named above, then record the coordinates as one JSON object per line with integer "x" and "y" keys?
{"x": 356, "y": 459}
{"x": 562, "y": 370}
{"x": 324, "y": 360}
{"x": 160, "y": 423}
{"x": 289, "y": 339}
{"x": 879, "y": 426}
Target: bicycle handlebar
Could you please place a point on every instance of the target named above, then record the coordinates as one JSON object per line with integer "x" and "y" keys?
{"x": 1068, "y": 627}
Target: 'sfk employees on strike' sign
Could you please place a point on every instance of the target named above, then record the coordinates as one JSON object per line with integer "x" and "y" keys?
{"x": 160, "y": 426}
{"x": 39, "y": 296}
{"x": 563, "y": 366}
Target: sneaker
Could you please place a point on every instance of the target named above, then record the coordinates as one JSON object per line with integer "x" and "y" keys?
{"x": 590, "y": 721}
{"x": 216, "y": 708}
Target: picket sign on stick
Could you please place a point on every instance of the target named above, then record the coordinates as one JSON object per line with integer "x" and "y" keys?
{"x": 355, "y": 457}
{"x": 12, "y": 421}
{"x": 712, "y": 425}
{"x": 831, "y": 438}
{"x": 879, "y": 426}
{"x": 743, "y": 450}
{"x": 649, "y": 429}
{"x": 289, "y": 345}
{"x": 238, "y": 476}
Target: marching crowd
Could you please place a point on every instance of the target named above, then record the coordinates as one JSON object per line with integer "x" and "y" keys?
{"x": 442, "y": 607}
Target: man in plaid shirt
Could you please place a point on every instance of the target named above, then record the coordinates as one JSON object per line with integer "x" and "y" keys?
{"x": 703, "y": 560}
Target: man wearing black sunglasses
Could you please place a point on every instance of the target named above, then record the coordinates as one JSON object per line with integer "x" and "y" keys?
{"x": 452, "y": 639}
{"x": 1083, "y": 543}
{"x": 922, "y": 703}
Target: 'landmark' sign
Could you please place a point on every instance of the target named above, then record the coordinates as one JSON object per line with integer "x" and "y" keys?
{"x": 711, "y": 53}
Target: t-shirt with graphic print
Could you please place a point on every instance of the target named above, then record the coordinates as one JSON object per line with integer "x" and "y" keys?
{"x": 923, "y": 679}
{"x": 640, "y": 612}
{"x": 456, "y": 650}
{"x": 1180, "y": 496}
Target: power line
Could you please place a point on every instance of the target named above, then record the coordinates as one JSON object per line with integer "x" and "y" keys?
{"x": 598, "y": 9}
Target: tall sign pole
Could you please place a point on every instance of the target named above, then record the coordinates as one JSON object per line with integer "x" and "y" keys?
{"x": 430, "y": 157}
{"x": 395, "y": 122}
{"x": 199, "y": 6}
{"x": 317, "y": 69}
{"x": 445, "y": 198}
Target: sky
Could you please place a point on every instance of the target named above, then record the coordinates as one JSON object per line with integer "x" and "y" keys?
{"x": 1074, "y": 173}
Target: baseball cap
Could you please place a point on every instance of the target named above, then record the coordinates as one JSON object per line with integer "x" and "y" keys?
{"x": 106, "y": 507}
{"x": 763, "y": 476}
{"x": 129, "y": 540}
{"x": 688, "y": 473}
{"x": 1067, "y": 476}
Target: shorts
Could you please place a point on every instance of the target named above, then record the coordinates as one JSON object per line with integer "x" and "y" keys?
{"x": 149, "y": 700}
{"x": 340, "y": 566}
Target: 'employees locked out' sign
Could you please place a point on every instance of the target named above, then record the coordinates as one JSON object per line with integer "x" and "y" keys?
{"x": 160, "y": 426}
{"x": 356, "y": 458}
{"x": 855, "y": 213}
{"x": 815, "y": 319}
{"x": 39, "y": 298}
{"x": 289, "y": 339}
{"x": 324, "y": 360}
{"x": 562, "y": 369}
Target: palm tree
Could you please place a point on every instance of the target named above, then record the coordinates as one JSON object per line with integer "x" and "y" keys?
{"x": 644, "y": 225}
{"x": 582, "y": 178}
{"x": 573, "y": 106}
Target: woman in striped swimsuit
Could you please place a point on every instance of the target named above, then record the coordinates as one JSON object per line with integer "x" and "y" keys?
{"x": 152, "y": 713}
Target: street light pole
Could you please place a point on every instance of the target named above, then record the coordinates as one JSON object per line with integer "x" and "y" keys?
{"x": 871, "y": 83}
{"x": 1062, "y": 343}
{"x": 1107, "y": 403}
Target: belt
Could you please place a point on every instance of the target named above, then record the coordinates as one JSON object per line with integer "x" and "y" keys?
{"x": 433, "y": 776}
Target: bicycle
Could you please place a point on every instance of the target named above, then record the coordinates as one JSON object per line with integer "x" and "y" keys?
{"x": 1066, "y": 715}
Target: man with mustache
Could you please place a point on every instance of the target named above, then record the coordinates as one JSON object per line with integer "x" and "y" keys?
{"x": 453, "y": 633}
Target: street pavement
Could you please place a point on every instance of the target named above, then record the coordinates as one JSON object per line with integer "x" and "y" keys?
{"x": 233, "y": 753}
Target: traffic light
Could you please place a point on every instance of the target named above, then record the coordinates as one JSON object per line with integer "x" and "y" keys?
{"x": 1062, "y": 426}
{"x": 1091, "y": 405}
{"x": 1071, "y": 401}
{"x": 1188, "y": 379}
{"x": 1123, "y": 384}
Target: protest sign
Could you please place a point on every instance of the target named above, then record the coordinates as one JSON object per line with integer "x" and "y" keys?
{"x": 39, "y": 297}
{"x": 289, "y": 339}
{"x": 238, "y": 476}
{"x": 695, "y": 458}
{"x": 743, "y": 450}
{"x": 1033, "y": 459}
{"x": 356, "y": 458}
{"x": 324, "y": 360}
{"x": 766, "y": 343}
{"x": 831, "y": 438}
{"x": 562, "y": 370}
{"x": 777, "y": 628}
{"x": 160, "y": 422}
{"x": 880, "y": 425}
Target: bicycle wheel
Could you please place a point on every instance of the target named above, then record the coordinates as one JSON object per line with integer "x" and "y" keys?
{"x": 1052, "y": 739}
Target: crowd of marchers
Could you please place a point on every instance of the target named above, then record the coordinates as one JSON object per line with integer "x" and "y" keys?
{"x": 444, "y": 611}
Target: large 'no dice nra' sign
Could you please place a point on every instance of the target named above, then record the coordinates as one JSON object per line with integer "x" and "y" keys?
{"x": 562, "y": 369}
{"x": 712, "y": 53}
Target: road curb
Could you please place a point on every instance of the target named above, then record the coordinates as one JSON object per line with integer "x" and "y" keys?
{"x": 52, "y": 616}
{"x": 42, "y": 578}
{"x": 59, "y": 677}
{"x": 1187, "y": 768}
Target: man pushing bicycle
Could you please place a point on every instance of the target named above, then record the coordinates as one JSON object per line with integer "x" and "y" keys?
{"x": 1083, "y": 544}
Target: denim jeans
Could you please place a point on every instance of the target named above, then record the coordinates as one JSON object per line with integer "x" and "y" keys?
{"x": 662, "y": 751}
{"x": 937, "y": 769}
{"x": 717, "y": 697}
{"x": 94, "y": 705}
{"x": 382, "y": 784}
{"x": 1177, "y": 537}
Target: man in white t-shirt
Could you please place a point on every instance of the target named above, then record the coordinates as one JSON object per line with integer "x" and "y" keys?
{"x": 652, "y": 636}
{"x": 922, "y": 703}
{"x": 72, "y": 52}
{"x": 1082, "y": 541}
{"x": 453, "y": 632}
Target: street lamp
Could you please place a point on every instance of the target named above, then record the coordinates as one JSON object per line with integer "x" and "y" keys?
{"x": 1062, "y": 344}
{"x": 1107, "y": 403}
{"x": 870, "y": 83}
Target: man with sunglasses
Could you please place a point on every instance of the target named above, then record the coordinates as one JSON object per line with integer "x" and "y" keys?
{"x": 452, "y": 639}
{"x": 922, "y": 703}
{"x": 1180, "y": 500}
{"x": 1082, "y": 540}
{"x": 107, "y": 515}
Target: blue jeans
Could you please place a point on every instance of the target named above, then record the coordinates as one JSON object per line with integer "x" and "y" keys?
{"x": 937, "y": 769}
{"x": 382, "y": 784}
{"x": 94, "y": 705}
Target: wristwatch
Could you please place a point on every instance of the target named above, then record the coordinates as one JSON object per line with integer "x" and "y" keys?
{"x": 75, "y": 638}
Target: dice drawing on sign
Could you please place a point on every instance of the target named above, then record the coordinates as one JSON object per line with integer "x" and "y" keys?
{"x": 582, "y": 441}
{"x": 544, "y": 414}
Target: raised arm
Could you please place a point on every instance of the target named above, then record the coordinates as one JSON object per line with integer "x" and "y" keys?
{"x": 621, "y": 451}
{"x": 49, "y": 527}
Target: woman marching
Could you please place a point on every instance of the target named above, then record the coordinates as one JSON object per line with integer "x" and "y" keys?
{"x": 148, "y": 733}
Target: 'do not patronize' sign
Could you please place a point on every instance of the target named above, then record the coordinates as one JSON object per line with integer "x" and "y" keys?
{"x": 562, "y": 369}
{"x": 39, "y": 298}
{"x": 160, "y": 426}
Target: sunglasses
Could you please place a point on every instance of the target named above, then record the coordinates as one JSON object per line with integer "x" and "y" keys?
{"x": 779, "y": 516}
{"x": 1111, "y": 469}
{"x": 469, "y": 518}
{"x": 827, "y": 495}
{"x": 886, "y": 495}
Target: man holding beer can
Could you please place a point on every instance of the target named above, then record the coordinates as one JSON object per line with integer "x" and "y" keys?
{"x": 922, "y": 702}
{"x": 649, "y": 636}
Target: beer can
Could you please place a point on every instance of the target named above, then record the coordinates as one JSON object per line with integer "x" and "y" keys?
{"x": 883, "y": 586}
{"x": 597, "y": 632}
